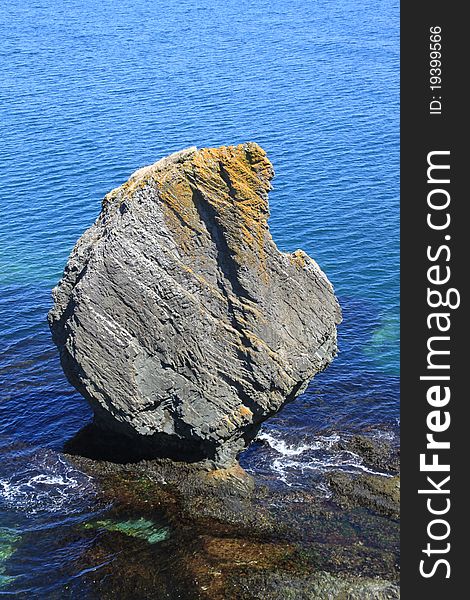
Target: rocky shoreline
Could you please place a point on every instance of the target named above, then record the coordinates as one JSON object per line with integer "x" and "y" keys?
{"x": 230, "y": 537}
{"x": 185, "y": 328}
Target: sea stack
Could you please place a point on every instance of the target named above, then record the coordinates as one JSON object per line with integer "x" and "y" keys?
{"x": 178, "y": 318}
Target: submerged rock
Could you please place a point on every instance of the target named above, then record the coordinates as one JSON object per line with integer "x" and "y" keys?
{"x": 377, "y": 453}
{"x": 141, "y": 528}
{"x": 8, "y": 542}
{"x": 381, "y": 494}
{"x": 177, "y": 317}
{"x": 227, "y": 536}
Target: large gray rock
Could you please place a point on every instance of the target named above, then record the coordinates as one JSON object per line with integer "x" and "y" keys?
{"x": 177, "y": 317}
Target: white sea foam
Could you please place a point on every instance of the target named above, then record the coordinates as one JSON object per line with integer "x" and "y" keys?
{"x": 46, "y": 484}
{"x": 313, "y": 457}
{"x": 278, "y": 444}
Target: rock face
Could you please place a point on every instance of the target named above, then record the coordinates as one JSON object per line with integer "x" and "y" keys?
{"x": 177, "y": 317}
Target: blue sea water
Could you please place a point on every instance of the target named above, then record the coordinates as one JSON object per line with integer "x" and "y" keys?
{"x": 92, "y": 91}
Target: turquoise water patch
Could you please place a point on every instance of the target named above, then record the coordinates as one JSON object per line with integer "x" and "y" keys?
{"x": 143, "y": 529}
{"x": 8, "y": 543}
{"x": 384, "y": 343}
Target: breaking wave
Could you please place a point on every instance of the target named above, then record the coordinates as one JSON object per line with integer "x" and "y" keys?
{"x": 307, "y": 460}
{"x": 46, "y": 483}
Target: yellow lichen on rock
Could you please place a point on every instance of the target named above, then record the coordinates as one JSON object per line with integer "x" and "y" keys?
{"x": 243, "y": 174}
{"x": 245, "y": 411}
{"x": 299, "y": 258}
{"x": 232, "y": 180}
{"x": 179, "y": 212}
